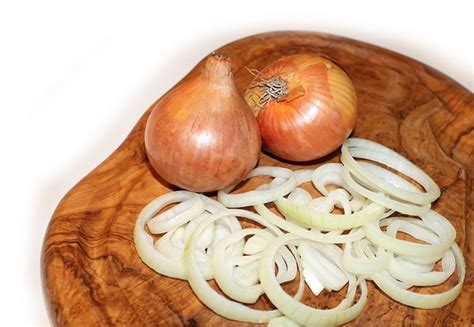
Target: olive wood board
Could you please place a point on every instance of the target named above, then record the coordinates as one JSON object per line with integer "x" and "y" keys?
{"x": 92, "y": 275}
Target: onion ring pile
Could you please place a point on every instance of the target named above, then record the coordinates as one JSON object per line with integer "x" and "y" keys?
{"x": 346, "y": 236}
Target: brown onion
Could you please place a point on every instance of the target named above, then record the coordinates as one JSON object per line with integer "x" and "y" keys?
{"x": 201, "y": 135}
{"x": 305, "y": 106}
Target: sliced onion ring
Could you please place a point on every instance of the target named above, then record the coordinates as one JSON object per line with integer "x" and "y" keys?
{"x": 324, "y": 262}
{"x": 364, "y": 266}
{"x": 169, "y": 263}
{"x": 226, "y": 275}
{"x": 331, "y": 173}
{"x": 261, "y": 196}
{"x": 296, "y": 310}
{"x": 365, "y": 149}
{"x": 424, "y": 301}
{"x": 427, "y": 253}
{"x": 329, "y": 221}
{"x": 430, "y": 278}
{"x": 213, "y": 300}
{"x": 382, "y": 199}
{"x": 177, "y": 216}
{"x": 144, "y": 242}
{"x": 311, "y": 235}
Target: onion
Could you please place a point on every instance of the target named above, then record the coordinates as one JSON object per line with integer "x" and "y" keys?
{"x": 201, "y": 135}
{"x": 305, "y": 106}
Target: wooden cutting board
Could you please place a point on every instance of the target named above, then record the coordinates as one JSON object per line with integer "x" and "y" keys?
{"x": 92, "y": 275}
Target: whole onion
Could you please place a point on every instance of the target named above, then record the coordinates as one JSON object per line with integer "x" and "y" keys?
{"x": 305, "y": 105}
{"x": 202, "y": 136}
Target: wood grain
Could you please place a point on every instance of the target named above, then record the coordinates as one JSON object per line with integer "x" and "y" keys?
{"x": 92, "y": 275}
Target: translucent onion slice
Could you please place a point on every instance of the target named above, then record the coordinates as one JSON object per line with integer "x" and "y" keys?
{"x": 414, "y": 266}
{"x": 329, "y": 221}
{"x": 300, "y": 196}
{"x": 297, "y": 311}
{"x": 361, "y": 265}
{"x": 177, "y": 237}
{"x": 313, "y": 281}
{"x": 233, "y": 286}
{"x": 416, "y": 274}
{"x": 165, "y": 246}
{"x": 326, "y": 268}
{"x": 335, "y": 198}
{"x": 219, "y": 304}
{"x": 240, "y": 283}
{"x": 424, "y": 301}
{"x": 191, "y": 226}
{"x": 165, "y": 256}
{"x": 327, "y": 174}
{"x": 387, "y": 175}
{"x": 382, "y": 199}
{"x": 365, "y": 149}
{"x": 177, "y": 215}
{"x": 331, "y": 174}
{"x": 257, "y": 242}
{"x": 312, "y": 235}
{"x": 430, "y": 278}
{"x": 260, "y": 196}
{"x": 303, "y": 175}
{"x": 245, "y": 275}
{"x": 144, "y": 242}
{"x": 427, "y": 253}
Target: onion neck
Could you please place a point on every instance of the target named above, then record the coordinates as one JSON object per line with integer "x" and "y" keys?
{"x": 218, "y": 67}
{"x": 270, "y": 89}
{"x": 278, "y": 88}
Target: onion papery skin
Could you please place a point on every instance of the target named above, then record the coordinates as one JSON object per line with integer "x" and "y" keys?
{"x": 317, "y": 114}
{"x": 201, "y": 135}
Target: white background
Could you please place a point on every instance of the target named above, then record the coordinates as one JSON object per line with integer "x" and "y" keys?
{"x": 76, "y": 76}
